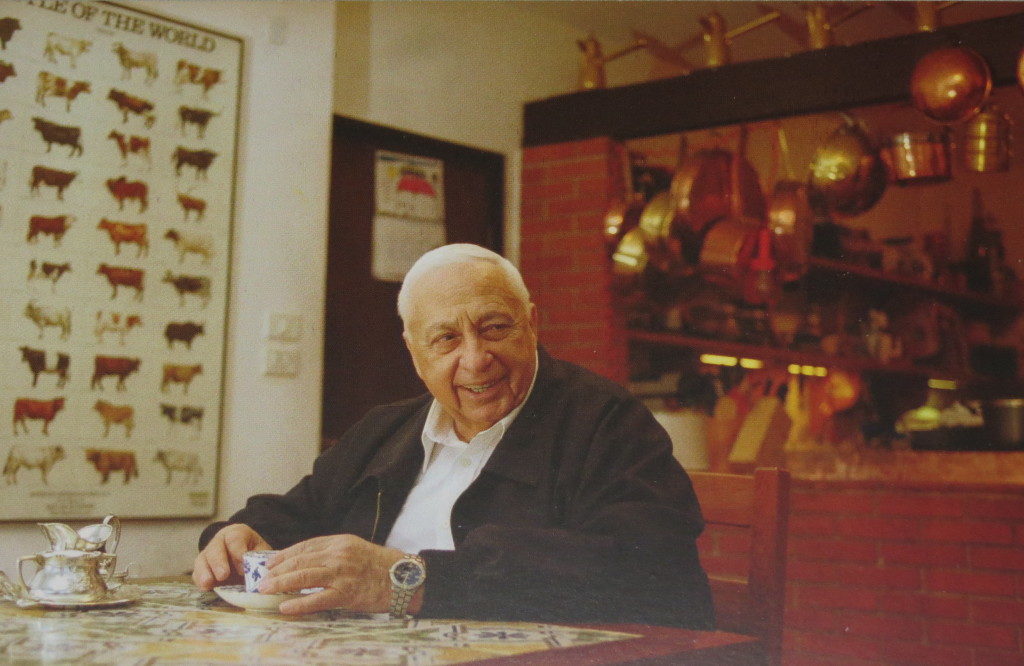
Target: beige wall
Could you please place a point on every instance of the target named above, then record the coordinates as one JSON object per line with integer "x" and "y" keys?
{"x": 271, "y": 426}
{"x": 458, "y": 71}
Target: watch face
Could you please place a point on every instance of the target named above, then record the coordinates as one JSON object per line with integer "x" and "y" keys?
{"x": 408, "y": 573}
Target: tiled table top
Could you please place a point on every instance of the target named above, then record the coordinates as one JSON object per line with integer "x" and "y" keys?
{"x": 177, "y": 623}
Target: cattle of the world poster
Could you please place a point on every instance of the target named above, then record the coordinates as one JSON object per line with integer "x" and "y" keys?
{"x": 118, "y": 141}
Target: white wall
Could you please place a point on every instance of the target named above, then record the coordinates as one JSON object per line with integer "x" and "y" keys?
{"x": 271, "y": 426}
{"x": 458, "y": 71}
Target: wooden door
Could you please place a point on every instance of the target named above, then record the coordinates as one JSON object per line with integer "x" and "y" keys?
{"x": 365, "y": 361}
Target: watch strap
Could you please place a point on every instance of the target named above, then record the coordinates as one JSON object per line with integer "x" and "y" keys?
{"x": 401, "y": 595}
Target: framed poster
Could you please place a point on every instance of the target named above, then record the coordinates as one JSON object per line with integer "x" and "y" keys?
{"x": 118, "y": 143}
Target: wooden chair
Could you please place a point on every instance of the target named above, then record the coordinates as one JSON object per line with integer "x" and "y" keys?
{"x": 749, "y": 589}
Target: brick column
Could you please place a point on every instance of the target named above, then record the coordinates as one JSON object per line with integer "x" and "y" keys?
{"x": 566, "y": 190}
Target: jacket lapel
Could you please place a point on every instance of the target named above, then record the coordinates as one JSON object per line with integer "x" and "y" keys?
{"x": 522, "y": 451}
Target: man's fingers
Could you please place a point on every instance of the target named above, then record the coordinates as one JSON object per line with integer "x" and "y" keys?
{"x": 201, "y": 574}
{"x": 221, "y": 560}
{"x": 295, "y": 580}
{"x": 216, "y": 556}
{"x": 238, "y": 541}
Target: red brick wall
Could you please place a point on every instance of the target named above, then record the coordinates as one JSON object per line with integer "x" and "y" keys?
{"x": 566, "y": 190}
{"x": 876, "y": 574}
{"x": 905, "y": 576}
{"x": 879, "y": 575}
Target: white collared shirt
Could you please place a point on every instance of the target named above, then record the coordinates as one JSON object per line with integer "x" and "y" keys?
{"x": 449, "y": 467}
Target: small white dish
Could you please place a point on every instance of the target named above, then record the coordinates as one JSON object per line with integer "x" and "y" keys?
{"x": 253, "y": 601}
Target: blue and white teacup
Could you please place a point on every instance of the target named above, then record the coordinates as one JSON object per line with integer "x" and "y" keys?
{"x": 254, "y": 565}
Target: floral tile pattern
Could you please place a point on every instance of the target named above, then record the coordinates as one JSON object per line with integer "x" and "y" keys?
{"x": 175, "y": 623}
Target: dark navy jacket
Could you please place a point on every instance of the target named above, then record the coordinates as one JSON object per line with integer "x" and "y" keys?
{"x": 580, "y": 514}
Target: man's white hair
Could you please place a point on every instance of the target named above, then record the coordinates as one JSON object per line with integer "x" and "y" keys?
{"x": 459, "y": 253}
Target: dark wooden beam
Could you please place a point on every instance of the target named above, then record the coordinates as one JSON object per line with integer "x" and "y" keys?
{"x": 839, "y": 77}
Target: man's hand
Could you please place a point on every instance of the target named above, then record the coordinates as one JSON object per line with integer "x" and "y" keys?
{"x": 353, "y": 573}
{"x": 221, "y": 561}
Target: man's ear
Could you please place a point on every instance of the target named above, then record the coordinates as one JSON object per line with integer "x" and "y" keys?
{"x": 534, "y": 319}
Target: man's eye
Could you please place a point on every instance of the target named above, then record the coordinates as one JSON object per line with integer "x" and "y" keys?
{"x": 444, "y": 340}
{"x": 495, "y": 331}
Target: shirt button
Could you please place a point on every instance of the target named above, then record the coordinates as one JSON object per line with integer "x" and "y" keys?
{"x": 465, "y": 462}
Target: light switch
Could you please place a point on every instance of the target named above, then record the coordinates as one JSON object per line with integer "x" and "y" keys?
{"x": 284, "y": 326}
{"x": 281, "y": 362}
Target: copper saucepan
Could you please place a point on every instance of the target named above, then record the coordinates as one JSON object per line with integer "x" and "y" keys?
{"x": 728, "y": 242}
{"x": 790, "y": 216}
{"x": 702, "y": 188}
{"x": 918, "y": 157}
{"x": 987, "y": 141}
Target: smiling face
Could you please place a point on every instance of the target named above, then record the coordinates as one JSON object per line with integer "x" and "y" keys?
{"x": 473, "y": 343}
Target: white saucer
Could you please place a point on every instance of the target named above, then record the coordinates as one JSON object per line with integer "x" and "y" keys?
{"x": 254, "y": 601}
{"x": 123, "y": 595}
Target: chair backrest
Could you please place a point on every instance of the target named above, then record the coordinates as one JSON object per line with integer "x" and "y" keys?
{"x": 753, "y": 603}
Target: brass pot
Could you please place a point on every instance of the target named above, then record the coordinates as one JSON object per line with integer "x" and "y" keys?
{"x": 624, "y": 213}
{"x": 918, "y": 157}
{"x": 1020, "y": 69}
{"x": 987, "y": 137}
{"x": 847, "y": 176}
{"x": 950, "y": 85}
{"x": 630, "y": 259}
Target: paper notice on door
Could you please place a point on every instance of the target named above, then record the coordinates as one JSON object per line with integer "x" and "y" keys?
{"x": 409, "y": 186}
{"x": 409, "y": 212}
{"x": 399, "y": 241}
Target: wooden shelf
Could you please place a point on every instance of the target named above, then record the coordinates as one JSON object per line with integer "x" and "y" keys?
{"x": 790, "y": 356}
{"x": 838, "y": 77}
{"x": 959, "y": 297}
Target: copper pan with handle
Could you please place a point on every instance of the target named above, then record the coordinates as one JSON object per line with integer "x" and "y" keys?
{"x": 728, "y": 241}
{"x": 703, "y": 187}
{"x": 790, "y": 216}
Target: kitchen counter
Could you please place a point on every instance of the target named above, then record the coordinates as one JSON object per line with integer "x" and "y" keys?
{"x": 907, "y": 467}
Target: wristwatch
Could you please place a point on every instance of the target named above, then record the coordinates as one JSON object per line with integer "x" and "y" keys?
{"x": 407, "y": 575}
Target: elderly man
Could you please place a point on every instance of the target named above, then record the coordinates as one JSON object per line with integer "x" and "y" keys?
{"x": 520, "y": 488}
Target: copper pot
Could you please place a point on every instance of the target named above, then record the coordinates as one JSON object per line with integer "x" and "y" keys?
{"x": 728, "y": 245}
{"x": 790, "y": 217}
{"x": 950, "y": 85}
{"x": 847, "y": 176}
{"x": 729, "y": 241}
{"x": 702, "y": 189}
{"x": 987, "y": 137}
{"x": 917, "y": 157}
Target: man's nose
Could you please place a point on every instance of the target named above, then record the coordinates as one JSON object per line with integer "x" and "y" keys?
{"x": 476, "y": 355}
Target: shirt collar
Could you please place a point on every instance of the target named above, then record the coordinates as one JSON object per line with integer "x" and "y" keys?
{"x": 439, "y": 428}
